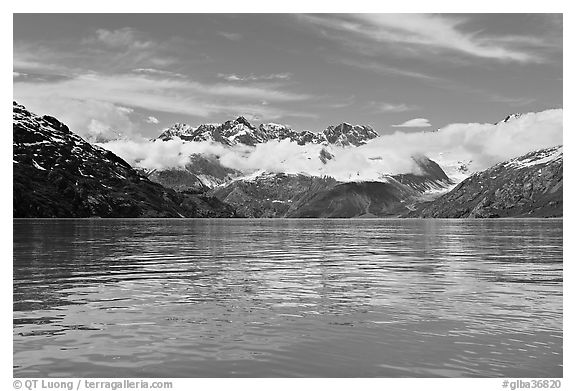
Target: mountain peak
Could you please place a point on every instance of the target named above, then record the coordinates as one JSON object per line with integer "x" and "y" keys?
{"x": 179, "y": 130}
{"x": 346, "y": 134}
{"x": 510, "y": 117}
{"x": 242, "y": 120}
{"x": 241, "y": 131}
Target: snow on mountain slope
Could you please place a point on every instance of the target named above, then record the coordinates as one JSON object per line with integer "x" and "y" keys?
{"x": 241, "y": 131}
{"x": 44, "y": 142}
{"x": 509, "y": 118}
{"x": 543, "y": 156}
{"x": 527, "y": 186}
{"x": 56, "y": 173}
{"x": 457, "y": 169}
{"x": 177, "y": 130}
{"x": 346, "y": 134}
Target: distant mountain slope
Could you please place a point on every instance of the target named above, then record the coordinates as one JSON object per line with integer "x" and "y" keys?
{"x": 431, "y": 176}
{"x": 356, "y": 199}
{"x": 201, "y": 173}
{"x": 241, "y": 131}
{"x": 388, "y": 197}
{"x": 527, "y": 186}
{"x": 290, "y": 195}
{"x": 56, "y": 173}
{"x": 269, "y": 194}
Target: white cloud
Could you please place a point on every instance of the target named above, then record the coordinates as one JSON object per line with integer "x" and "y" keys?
{"x": 126, "y": 110}
{"x": 427, "y": 32}
{"x": 107, "y": 51}
{"x": 484, "y": 144}
{"x": 379, "y": 67}
{"x": 519, "y": 101}
{"x": 124, "y": 37}
{"x": 161, "y": 154}
{"x": 253, "y": 77}
{"x": 89, "y": 118}
{"x": 152, "y": 120}
{"x": 230, "y": 36}
{"x": 172, "y": 95}
{"x": 414, "y": 123}
{"x": 161, "y": 72}
{"x": 392, "y": 107}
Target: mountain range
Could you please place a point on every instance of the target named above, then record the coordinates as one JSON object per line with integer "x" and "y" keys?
{"x": 241, "y": 131}
{"x": 56, "y": 173}
{"x": 298, "y": 195}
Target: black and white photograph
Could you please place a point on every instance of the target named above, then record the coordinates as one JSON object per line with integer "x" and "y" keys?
{"x": 287, "y": 195}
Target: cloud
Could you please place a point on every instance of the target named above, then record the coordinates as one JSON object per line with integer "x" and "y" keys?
{"x": 122, "y": 38}
{"x": 424, "y": 32}
{"x": 162, "y": 154}
{"x": 380, "y": 67}
{"x": 89, "y": 118}
{"x": 160, "y": 72}
{"x": 252, "y": 77}
{"x": 126, "y": 110}
{"x": 273, "y": 156}
{"x": 106, "y": 51}
{"x": 171, "y": 95}
{"x": 230, "y": 36}
{"x": 152, "y": 120}
{"x": 35, "y": 58}
{"x": 385, "y": 107}
{"x": 332, "y": 102}
{"x": 484, "y": 144}
{"x": 414, "y": 123}
{"x": 515, "y": 102}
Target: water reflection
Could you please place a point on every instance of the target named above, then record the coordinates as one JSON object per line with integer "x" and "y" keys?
{"x": 184, "y": 298}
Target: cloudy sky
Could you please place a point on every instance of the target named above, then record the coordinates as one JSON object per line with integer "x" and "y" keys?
{"x": 137, "y": 74}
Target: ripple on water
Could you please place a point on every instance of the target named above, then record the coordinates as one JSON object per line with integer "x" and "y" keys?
{"x": 389, "y": 298}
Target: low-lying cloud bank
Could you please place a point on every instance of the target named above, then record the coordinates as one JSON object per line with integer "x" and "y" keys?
{"x": 483, "y": 144}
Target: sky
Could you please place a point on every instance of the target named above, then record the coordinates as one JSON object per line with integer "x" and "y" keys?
{"x": 136, "y": 74}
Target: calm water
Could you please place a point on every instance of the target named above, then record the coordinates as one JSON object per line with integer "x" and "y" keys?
{"x": 283, "y": 298}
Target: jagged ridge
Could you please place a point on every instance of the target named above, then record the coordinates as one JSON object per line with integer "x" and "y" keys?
{"x": 241, "y": 131}
{"x": 56, "y": 173}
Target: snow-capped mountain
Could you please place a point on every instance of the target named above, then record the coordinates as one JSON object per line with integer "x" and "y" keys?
{"x": 530, "y": 185}
{"x": 179, "y": 130}
{"x": 509, "y": 118}
{"x": 553, "y": 156}
{"x": 265, "y": 194}
{"x": 201, "y": 173}
{"x": 241, "y": 131}
{"x": 56, "y": 173}
{"x": 457, "y": 169}
{"x": 346, "y": 134}
{"x": 45, "y": 143}
{"x": 204, "y": 132}
{"x": 283, "y": 132}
